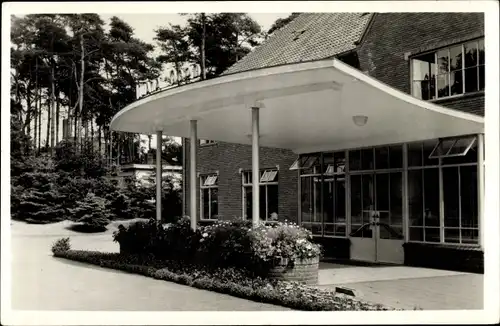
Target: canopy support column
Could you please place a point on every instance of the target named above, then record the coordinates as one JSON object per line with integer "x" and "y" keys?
{"x": 159, "y": 173}
{"x": 192, "y": 172}
{"x": 255, "y": 167}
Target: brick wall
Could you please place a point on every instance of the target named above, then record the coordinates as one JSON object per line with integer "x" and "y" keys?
{"x": 228, "y": 159}
{"x": 392, "y": 37}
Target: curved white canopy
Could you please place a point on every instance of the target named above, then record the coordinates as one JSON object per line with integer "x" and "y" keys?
{"x": 305, "y": 107}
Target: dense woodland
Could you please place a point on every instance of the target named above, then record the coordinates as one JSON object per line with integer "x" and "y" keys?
{"x": 70, "y": 75}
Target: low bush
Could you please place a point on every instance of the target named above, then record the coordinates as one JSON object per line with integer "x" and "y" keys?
{"x": 61, "y": 245}
{"x": 228, "y": 281}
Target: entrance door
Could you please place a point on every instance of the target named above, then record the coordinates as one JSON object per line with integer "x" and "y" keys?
{"x": 377, "y": 217}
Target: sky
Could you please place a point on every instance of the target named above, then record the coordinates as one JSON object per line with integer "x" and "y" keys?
{"x": 145, "y": 24}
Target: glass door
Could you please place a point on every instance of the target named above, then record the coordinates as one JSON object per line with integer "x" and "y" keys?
{"x": 377, "y": 217}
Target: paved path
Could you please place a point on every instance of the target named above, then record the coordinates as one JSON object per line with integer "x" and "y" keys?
{"x": 42, "y": 282}
{"x": 407, "y": 287}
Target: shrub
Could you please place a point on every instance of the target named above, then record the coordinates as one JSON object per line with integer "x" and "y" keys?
{"x": 283, "y": 240}
{"x": 92, "y": 212}
{"x": 61, "y": 245}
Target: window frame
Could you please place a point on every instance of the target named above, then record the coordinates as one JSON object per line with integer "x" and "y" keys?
{"x": 437, "y": 73}
{"x": 206, "y": 142}
{"x": 246, "y": 182}
{"x": 472, "y": 141}
{"x": 215, "y": 185}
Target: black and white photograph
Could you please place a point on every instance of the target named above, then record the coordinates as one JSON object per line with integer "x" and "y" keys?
{"x": 271, "y": 159}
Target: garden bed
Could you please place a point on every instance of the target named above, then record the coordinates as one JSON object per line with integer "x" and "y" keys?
{"x": 227, "y": 281}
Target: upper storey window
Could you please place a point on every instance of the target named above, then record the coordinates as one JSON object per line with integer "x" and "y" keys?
{"x": 451, "y": 71}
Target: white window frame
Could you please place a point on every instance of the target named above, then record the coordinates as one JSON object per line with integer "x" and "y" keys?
{"x": 208, "y": 181}
{"x": 206, "y": 142}
{"x": 300, "y": 162}
{"x": 435, "y": 152}
{"x": 268, "y": 177}
{"x": 448, "y": 73}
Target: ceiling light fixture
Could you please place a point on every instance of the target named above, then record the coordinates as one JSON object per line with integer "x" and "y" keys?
{"x": 360, "y": 120}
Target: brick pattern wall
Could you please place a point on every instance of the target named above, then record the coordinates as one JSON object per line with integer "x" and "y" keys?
{"x": 393, "y": 37}
{"x": 228, "y": 159}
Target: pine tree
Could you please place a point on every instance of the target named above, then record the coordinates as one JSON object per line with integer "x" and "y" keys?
{"x": 92, "y": 212}
{"x": 40, "y": 202}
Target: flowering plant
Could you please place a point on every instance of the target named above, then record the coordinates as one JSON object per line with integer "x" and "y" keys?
{"x": 283, "y": 240}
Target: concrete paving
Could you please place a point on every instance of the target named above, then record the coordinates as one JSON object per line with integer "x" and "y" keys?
{"x": 407, "y": 287}
{"x": 42, "y": 282}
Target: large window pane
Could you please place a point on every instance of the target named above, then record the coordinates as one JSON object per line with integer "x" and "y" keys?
{"x": 470, "y": 236}
{"x": 443, "y": 61}
{"x": 423, "y": 78}
{"x": 382, "y": 193}
{"x": 481, "y": 77}
{"x": 443, "y": 85}
{"x": 451, "y": 196}
{"x": 272, "y": 200}
{"x": 432, "y": 235}
{"x": 262, "y": 203}
{"x": 431, "y": 197}
{"x": 415, "y": 154}
{"x": 481, "y": 52}
{"x": 367, "y": 159}
{"x": 456, "y": 58}
{"x": 468, "y": 187}
{"x": 248, "y": 202}
{"x": 340, "y": 194}
{"x": 471, "y": 58}
{"x": 471, "y": 79}
{"x": 416, "y": 234}
{"x": 396, "y": 156}
{"x": 214, "y": 202}
{"x": 415, "y": 197}
{"x": 311, "y": 199}
{"x": 456, "y": 82}
{"x": 452, "y": 235}
{"x": 206, "y": 203}
{"x": 396, "y": 199}
{"x": 355, "y": 160}
{"x": 382, "y": 158}
{"x": 356, "y": 201}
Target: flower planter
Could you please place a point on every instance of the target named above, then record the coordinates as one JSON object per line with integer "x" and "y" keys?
{"x": 303, "y": 270}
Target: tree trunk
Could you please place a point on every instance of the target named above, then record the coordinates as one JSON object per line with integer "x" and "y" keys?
{"x": 92, "y": 137}
{"x": 47, "y": 139}
{"x": 203, "y": 36}
{"x": 29, "y": 113}
{"x": 82, "y": 63}
{"x": 58, "y": 111}
{"x": 99, "y": 139}
{"x": 39, "y": 119}
{"x": 52, "y": 110}
{"x": 35, "y": 120}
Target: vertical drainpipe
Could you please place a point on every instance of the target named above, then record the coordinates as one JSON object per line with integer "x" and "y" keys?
{"x": 255, "y": 167}
{"x": 158, "y": 175}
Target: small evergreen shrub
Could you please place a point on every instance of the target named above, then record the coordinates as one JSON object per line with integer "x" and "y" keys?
{"x": 92, "y": 213}
{"x": 61, "y": 245}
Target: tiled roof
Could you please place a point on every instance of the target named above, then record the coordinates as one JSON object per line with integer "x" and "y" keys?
{"x": 310, "y": 36}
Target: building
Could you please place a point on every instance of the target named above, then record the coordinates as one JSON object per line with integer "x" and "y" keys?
{"x": 143, "y": 173}
{"x": 371, "y": 135}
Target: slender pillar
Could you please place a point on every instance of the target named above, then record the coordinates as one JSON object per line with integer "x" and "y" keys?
{"x": 480, "y": 187}
{"x": 159, "y": 173}
{"x": 255, "y": 167}
{"x": 193, "y": 146}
